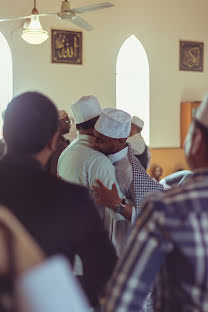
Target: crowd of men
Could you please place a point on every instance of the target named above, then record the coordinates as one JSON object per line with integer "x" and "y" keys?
{"x": 140, "y": 247}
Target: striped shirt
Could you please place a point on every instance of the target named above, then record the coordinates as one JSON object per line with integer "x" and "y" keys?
{"x": 167, "y": 251}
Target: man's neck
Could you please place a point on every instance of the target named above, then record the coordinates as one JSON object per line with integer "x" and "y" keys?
{"x": 86, "y": 132}
{"x": 120, "y": 148}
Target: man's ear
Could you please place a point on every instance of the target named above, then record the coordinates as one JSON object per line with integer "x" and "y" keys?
{"x": 196, "y": 143}
{"x": 53, "y": 140}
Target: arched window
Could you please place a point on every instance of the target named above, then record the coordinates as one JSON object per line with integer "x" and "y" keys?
{"x": 6, "y": 85}
{"x": 132, "y": 81}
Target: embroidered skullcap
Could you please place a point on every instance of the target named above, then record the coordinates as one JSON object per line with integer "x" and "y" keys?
{"x": 202, "y": 112}
{"x": 137, "y": 121}
{"x": 85, "y": 109}
{"x": 114, "y": 123}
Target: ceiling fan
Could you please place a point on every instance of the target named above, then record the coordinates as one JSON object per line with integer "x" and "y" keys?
{"x": 66, "y": 13}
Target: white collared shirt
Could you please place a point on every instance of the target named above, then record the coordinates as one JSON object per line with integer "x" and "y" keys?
{"x": 124, "y": 172}
{"x": 80, "y": 163}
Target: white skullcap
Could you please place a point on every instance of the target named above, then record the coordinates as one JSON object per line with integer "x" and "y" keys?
{"x": 202, "y": 112}
{"x": 137, "y": 121}
{"x": 114, "y": 123}
{"x": 85, "y": 109}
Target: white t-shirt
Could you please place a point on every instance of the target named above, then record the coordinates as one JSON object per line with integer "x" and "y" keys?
{"x": 80, "y": 163}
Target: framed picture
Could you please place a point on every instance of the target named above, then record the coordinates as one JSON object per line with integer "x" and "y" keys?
{"x": 66, "y": 46}
{"x": 191, "y": 56}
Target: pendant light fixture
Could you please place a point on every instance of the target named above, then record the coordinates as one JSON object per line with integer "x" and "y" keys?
{"x": 35, "y": 34}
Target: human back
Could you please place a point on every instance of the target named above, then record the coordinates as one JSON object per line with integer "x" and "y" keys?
{"x": 81, "y": 163}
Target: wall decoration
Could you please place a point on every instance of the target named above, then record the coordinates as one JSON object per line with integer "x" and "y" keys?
{"x": 66, "y": 46}
{"x": 191, "y": 56}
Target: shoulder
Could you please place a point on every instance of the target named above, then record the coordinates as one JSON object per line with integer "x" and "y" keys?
{"x": 99, "y": 158}
{"x": 65, "y": 189}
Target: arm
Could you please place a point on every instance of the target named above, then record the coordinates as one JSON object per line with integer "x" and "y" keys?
{"x": 110, "y": 198}
{"x": 144, "y": 256}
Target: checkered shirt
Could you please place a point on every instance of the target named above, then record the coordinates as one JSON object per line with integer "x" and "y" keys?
{"x": 143, "y": 184}
{"x": 167, "y": 250}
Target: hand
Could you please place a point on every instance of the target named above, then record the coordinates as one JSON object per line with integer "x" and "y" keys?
{"x": 104, "y": 196}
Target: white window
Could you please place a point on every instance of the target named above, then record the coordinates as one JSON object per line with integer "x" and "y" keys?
{"x": 132, "y": 82}
{"x": 6, "y": 86}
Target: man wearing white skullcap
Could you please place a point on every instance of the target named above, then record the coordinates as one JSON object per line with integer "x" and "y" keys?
{"x": 111, "y": 132}
{"x": 168, "y": 245}
{"x": 137, "y": 143}
{"x": 80, "y": 162}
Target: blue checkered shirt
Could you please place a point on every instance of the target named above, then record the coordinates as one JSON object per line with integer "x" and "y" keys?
{"x": 167, "y": 251}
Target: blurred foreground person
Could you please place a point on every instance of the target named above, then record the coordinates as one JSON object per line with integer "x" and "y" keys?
{"x": 168, "y": 246}
{"x": 60, "y": 216}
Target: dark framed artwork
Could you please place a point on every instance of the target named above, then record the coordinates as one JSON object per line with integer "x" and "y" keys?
{"x": 66, "y": 46}
{"x": 191, "y": 56}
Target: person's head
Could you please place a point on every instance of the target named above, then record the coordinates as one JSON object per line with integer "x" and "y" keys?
{"x": 111, "y": 131}
{"x": 196, "y": 143}
{"x": 137, "y": 125}
{"x": 86, "y": 112}
{"x": 64, "y": 122}
{"x": 30, "y": 126}
{"x": 156, "y": 172}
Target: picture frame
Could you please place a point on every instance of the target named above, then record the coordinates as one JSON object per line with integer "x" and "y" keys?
{"x": 191, "y": 56}
{"x": 66, "y": 46}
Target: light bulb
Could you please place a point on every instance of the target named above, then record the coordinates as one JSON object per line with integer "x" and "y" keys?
{"x": 35, "y": 34}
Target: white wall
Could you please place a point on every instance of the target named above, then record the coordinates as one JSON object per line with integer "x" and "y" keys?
{"x": 159, "y": 25}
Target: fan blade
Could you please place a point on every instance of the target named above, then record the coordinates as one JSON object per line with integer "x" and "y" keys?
{"x": 81, "y": 23}
{"x": 25, "y": 17}
{"x": 95, "y": 7}
{"x": 14, "y": 18}
{"x": 48, "y": 14}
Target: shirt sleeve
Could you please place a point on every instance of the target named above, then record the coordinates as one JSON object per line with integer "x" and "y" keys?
{"x": 102, "y": 169}
{"x": 134, "y": 215}
{"x": 143, "y": 257}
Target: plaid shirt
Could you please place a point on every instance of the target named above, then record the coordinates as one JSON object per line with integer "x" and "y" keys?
{"x": 167, "y": 249}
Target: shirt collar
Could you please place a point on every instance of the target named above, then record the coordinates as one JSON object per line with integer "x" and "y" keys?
{"x": 119, "y": 155}
{"x": 88, "y": 138}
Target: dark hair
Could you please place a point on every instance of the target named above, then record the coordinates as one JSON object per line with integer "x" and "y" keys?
{"x": 31, "y": 119}
{"x": 204, "y": 132}
{"x": 153, "y": 168}
{"x": 87, "y": 125}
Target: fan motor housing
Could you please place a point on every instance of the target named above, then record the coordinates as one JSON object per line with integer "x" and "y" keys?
{"x": 65, "y": 7}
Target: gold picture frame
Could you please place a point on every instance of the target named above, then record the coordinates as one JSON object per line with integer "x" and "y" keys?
{"x": 191, "y": 56}
{"x": 66, "y": 46}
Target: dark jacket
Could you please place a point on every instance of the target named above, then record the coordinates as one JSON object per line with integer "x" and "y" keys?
{"x": 61, "y": 217}
{"x": 62, "y": 143}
